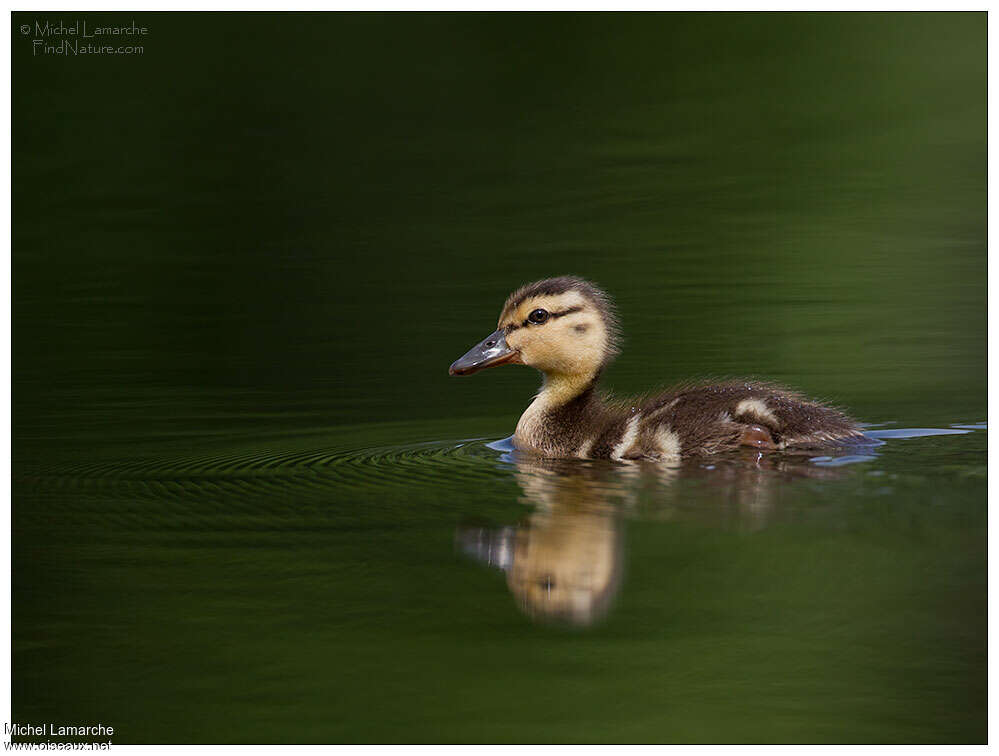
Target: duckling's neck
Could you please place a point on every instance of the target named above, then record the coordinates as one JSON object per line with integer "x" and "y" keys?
{"x": 559, "y": 389}
{"x": 553, "y": 423}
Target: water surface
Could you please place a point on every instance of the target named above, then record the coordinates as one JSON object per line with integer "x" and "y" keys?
{"x": 249, "y": 503}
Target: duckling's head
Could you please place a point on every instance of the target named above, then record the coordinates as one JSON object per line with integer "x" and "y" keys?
{"x": 564, "y": 327}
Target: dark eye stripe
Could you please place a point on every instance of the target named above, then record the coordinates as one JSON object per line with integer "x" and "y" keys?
{"x": 551, "y": 315}
{"x": 569, "y": 311}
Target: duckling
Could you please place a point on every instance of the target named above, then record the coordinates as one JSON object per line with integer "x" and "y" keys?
{"x": 567, "y": 328}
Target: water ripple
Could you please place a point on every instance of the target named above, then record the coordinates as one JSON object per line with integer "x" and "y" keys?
{"x": 436, "y": 462}
{"x": 455, "y": 464}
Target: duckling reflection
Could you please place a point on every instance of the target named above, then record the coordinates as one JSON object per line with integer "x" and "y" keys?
{"x": 564, "y": 563}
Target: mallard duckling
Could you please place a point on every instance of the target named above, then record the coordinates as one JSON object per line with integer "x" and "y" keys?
{"x": 566, "y": 328}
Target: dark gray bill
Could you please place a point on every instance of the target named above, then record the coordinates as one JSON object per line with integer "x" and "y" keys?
{"x": 492, "y": 350}
{"x": 491, "y": 547}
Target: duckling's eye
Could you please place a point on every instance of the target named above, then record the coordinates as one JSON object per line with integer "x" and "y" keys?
{"x": 538, "y": 316}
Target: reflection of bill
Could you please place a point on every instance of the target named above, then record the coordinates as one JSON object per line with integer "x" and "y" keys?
{"x": 564, "y": 562}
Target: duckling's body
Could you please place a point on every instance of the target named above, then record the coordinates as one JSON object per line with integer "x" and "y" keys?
{"x": 684, "y": 421}
{"x": 566, "y": 328}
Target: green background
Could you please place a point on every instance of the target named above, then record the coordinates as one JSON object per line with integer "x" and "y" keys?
{"x": 243, "y": 260}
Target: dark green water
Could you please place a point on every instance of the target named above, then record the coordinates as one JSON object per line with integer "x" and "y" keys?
{"x": 243, "y": 481}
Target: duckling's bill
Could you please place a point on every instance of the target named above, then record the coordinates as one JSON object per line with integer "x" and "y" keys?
{"x": 491, "y": 351}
